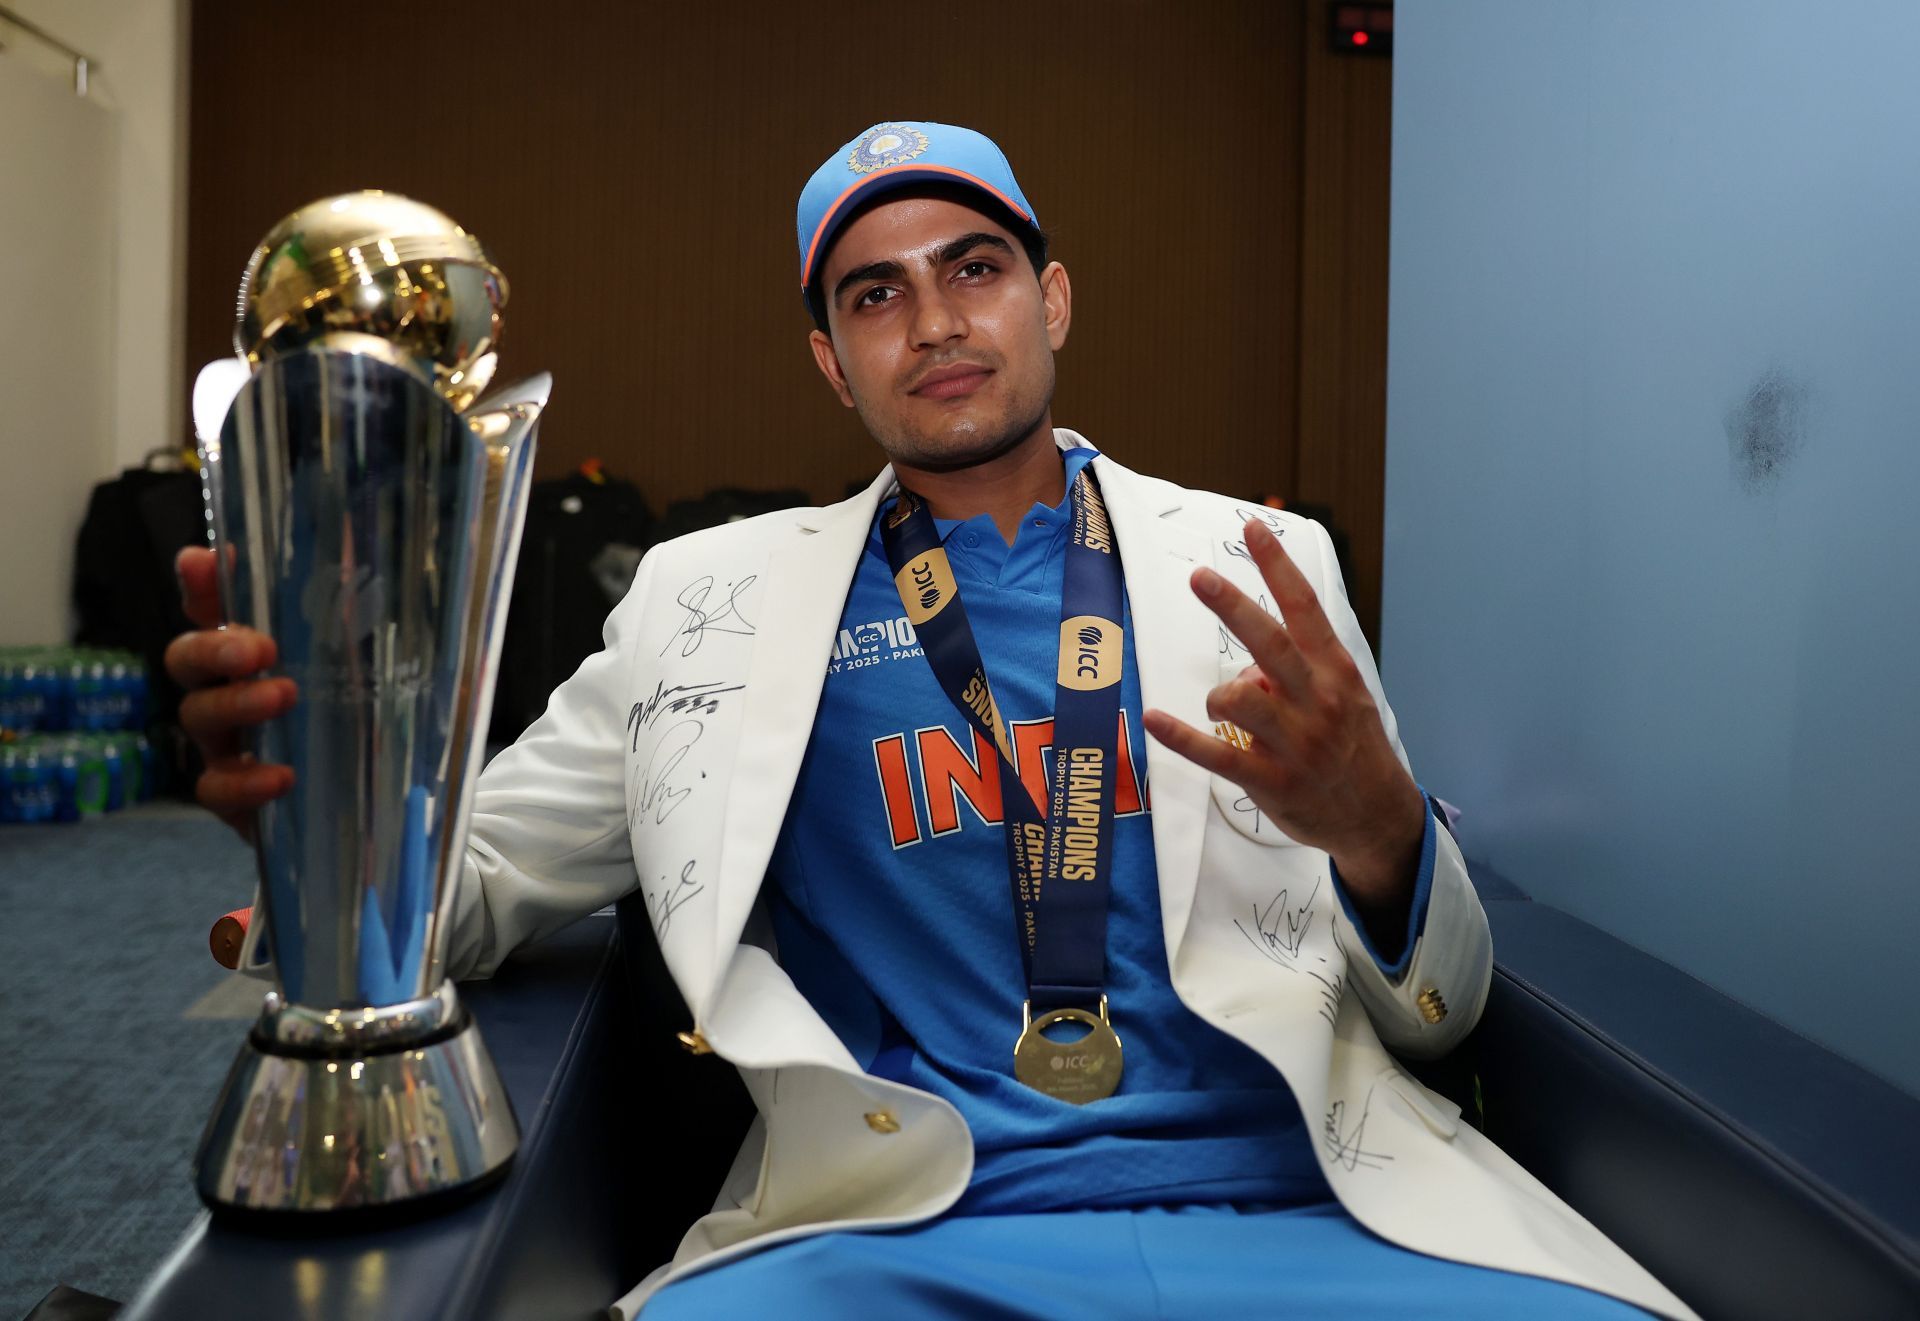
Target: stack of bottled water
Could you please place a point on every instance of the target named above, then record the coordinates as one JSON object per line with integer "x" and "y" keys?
{"x": 73, "y": 740}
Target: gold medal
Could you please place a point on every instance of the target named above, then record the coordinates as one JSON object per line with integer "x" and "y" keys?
{"x": 1072, "y": 1071}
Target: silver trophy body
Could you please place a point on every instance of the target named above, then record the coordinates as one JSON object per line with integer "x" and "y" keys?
{"x": 370, "y": 529}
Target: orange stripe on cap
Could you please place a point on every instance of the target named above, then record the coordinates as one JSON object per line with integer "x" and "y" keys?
{"x": 905, "y": 167}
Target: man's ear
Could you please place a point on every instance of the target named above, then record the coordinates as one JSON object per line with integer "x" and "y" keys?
{"x": 829, "y": 364}
{"x": 1056, "y": 293}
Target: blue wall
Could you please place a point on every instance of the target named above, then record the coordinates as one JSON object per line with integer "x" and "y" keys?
{"x": 1652, "y": 581}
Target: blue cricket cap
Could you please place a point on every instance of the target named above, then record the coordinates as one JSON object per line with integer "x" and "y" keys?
{"x": 894, "y": 155}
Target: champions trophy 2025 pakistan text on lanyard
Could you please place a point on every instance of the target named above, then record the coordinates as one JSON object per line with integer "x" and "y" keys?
{"x": 1059, "y": 865}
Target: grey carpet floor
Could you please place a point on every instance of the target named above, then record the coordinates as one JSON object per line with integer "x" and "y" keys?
{"x": 116, "y": 1029}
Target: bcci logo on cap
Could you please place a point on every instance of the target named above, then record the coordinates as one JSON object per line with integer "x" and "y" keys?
{"x": 884, "y": 145}
{"x": 1089, "y": 653}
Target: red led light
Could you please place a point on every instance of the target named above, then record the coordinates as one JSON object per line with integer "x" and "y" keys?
{"x": 1359, "y": 38}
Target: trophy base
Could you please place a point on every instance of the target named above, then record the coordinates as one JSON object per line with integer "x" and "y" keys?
{"x": 392, "y": 1130}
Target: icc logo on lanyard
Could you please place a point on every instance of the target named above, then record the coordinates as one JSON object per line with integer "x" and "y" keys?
{"x": 926, "y": 585}
{"x": 1090, "y": 650}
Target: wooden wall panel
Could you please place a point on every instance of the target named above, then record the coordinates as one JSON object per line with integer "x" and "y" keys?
{"x": 634, "y": 169}
{"x": 1346, "y": 172}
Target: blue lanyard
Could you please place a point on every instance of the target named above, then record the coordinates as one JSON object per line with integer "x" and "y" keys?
{"x": 1058, "y": 865}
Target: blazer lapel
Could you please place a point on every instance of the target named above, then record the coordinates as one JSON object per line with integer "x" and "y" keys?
{"x": 1177, "y": 667}
{"x": 805, "y": 589}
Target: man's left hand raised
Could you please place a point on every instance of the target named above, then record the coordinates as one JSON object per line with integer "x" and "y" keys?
{"x": 1317, "y": 761}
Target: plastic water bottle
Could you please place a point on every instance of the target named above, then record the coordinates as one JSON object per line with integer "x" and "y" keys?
{"x": 10, "y": 759}
{"x": 92, "y": 786}
{"x": 66, "y": 798}
{"x": 12, "y": 682}
{"x": 116, "y": 691}
{"x": 24, "y": 690}
{"x": 51, "y": 682}
{"x": 93, "y": 695}
{"x": 51, "y": 707}
{"x": 44, "y": 776}
{"x": 71, "y": 670}
{"x": 130, "y": 769}
{"x": 22, "y": 696}
{"x": 149, "y": 766}
{"x": 140, "y": 689}
{"x": 27, "y": 788}
{"x": 42, "y": 672}
{"x": 82, "y": 782}
{"x": 19, "y": 792}
{"x": 78, "y": 692}
{"x": 107, "y": 748}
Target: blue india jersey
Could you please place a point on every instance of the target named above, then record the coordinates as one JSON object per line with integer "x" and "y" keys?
{"x": 892, "y": 908}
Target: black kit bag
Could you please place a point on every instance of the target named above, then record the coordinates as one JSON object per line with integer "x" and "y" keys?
{"x": 585, "y": 534}
{"x": 125, "y": 594}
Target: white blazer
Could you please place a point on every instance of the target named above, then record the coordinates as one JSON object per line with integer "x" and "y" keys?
{"x": 666, "y": 764}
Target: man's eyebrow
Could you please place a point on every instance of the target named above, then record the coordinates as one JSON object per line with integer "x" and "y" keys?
{"x": 966, "y": 243}
{"x": 873, "y": 270}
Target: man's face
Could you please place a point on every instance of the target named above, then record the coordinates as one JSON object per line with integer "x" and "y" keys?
{"x": 941, "y": 336}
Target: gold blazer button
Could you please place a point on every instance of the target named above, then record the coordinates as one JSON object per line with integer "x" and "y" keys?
{"x": 882, "y": 1121}
{"x": 1432, "y": 1007}
{"x": 694, "y": 1041}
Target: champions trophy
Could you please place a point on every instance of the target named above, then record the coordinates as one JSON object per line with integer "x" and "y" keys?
{"x": 365, "y": 504}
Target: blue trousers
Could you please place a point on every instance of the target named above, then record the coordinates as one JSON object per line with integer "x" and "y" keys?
{"x": 1196, "y": 1263}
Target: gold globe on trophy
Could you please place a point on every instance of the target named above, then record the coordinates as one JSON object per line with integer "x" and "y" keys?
{"x": 407, "y": 283}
